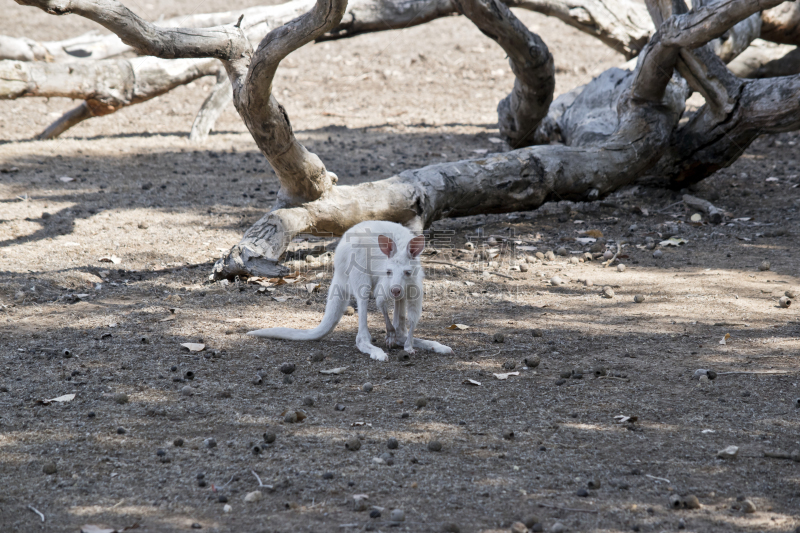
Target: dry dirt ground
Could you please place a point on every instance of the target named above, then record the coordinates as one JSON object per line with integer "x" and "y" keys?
{"x": 371, "y": 106}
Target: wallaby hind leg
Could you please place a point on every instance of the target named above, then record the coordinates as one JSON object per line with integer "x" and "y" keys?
{"x": 415, "y": 312}
{"x": 364, "y": 339}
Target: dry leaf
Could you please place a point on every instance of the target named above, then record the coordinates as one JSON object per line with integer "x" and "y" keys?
{"x": 66, "y": 179}
{"x": 89, "y": 528}
{"x": 458, "y": 326}
{"x": 60, "y": 399}
{"x": 697, "y": 217}
{"x": 471, "y": 382}
{"x": 194, "y": 346}
{"x": 673, "y": 241}
{"x": 171, "y": 317}
{"x": 505, "y": 376}
{"x": 110, "y": 259}
{"x": 596, "y": 233}
{"x": 338, "y": 370}
{"x": 311, "y": 287}
{"x": 724, "y": 340}
{"x": 280, "y": 299}
{"x": 585, "y": 240}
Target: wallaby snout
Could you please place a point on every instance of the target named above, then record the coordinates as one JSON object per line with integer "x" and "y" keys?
{"x": 397, "y": 291}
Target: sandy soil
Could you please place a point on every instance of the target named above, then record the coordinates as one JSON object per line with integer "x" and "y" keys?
{"x": 371, "y": 106}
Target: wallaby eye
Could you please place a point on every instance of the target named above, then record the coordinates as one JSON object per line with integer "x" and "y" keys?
{"x": 388, "y": 272}
{"x": 407, "y": 272}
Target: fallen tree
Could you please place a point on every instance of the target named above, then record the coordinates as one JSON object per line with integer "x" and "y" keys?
{"x": 616, "y": 129}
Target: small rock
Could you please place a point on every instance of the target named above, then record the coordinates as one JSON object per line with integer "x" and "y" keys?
{"x": 691, "y": 502}
{"x": 560, "y": 382}
{"x": 269, "y": 437}
{"x": 593, "y": 484}
{"x": 450, "y": 527}
{"x": 367, "y": 387}
{"x": 539, "y": 256}
{"x": 556, "y": 281}
{"x": 254, "y": 496}
{"x": 530, "y": 520}
{"x": 608, "y": 292}
{"x": 308, "y": 401}
{"x": 508, "y": 434}
{"x": 374, "y": 513}
{"x": 121, "y": 430}
{"x": 608, "y": 254}
{"x": 558, "y": 527}
{"x": 397, "y": 515}
{"x": 257, "y": 450}
{"x": 222, "y": 498}
{"x": 49, "y": 469}
{"x": 161, "y": 452}
{"x": 791, "y": 293}
{"x": 178, "y": 442}
{"x": 392, "y": 443}
{"x": 327, "y": 475}
{"x": 287, "y": 368}
{"x": 519, "y": 527}
{"x": 650, "y": 245}
{"x": 562, "y": 251}
{"x": 288, "y": 380}
{"x": 353, "y": 444}
{"x": 565, "y": 374}
{"x": 317, "y": 357}
{"x": 582, "y": 493}
{"x": 186, "y": 390}
{"x": 599, "y": 371}
{"x": 620, "y": 268}
{"x": 532, "y": 361}
{"x": 421, "y": 402}
{"x": 523, "y": 267}
{"x": 360, "y": 505}
{"x": 499, "y": 338}
{"x": 681, "y": 524}
{"x": 210, "y": 443}
{"x": 196, "y": 525}
{"x": 764, "y": 266}
{"x": 784, "y": 302}
{"x": 587, "y": 257}
{"x": 639, "y": 298}
{"x": 658, "y": 254}
{"x": 728, "y": 453}
{"x": 387, "y": 458}
{"x": 435, "y": 446}
{"x": 588, "y": 283}
{"x": 227, "y": 508}
{"x": 536, "y": 332}
{"x": 509, "y": 365}
{"x": 574, "y": 260}
{"x": 349, "y": 311}
{"x": 188, "y": 375}
{"x": 290, "y": 417}
{"x": 550, "y": 256}
{"x": 339, "y": 407}
{"x": 121, "y": 398}
{"x": 748, "y": 507}
{"x": 797, "y": 403}
{"x": 538, "y": 527}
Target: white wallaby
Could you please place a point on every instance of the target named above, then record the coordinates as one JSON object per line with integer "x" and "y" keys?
{"x": 380, "y": 258}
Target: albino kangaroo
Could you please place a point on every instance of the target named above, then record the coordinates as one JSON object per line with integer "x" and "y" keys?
{"x": 373, "y": 257}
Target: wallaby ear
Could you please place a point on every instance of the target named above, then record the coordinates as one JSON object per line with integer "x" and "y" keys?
{"x": 416, "y": 245}
{"x": 388, "y": 247}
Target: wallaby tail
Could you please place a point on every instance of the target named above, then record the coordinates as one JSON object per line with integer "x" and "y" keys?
{"x": 334, "y": 309}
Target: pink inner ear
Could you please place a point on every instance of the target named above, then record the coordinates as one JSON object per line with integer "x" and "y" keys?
{"x": 387, "y": 245}
{"x": 416, "y": 245}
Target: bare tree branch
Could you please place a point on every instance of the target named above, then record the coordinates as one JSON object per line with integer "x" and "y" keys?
{"x": 781, "y": 24}
{"x": 531, "y": 62}
{"x": 220, "y": 97}
{"x": 767, "y": 60}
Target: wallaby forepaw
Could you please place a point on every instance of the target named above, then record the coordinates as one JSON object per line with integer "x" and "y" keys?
{"x": 410, "y": 351}
{"x": 378, "y": 355}
{"x": 391, "y": 338}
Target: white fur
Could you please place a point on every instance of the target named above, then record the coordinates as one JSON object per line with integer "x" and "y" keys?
{"x": 362, "y": 268}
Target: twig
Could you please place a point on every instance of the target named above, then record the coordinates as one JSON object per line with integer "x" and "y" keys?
{"x": 239, "y": 22}
{"x": 670, "y": 206}
{"x": 229, "y": 482}
{"x": 467, "y": 269}
{"x": 35, "y": 510}
{"x": 745, "y": 372}
{"x": 567, "y": 508}
{"x": 654, "y": 478}
{"x": 794, "y": 456}
{"x": 259, "y": 481}
{"x": 492, "y": 355}
{"x": 608, "y": 263}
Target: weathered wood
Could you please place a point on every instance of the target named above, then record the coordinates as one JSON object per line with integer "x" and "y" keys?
{"x": 715, "y": 215}
{"x": 766, "y": 60}
{"x": 781, "y": 24}
{"x": 220, "y": 97}
{"x": 521, "y": 112}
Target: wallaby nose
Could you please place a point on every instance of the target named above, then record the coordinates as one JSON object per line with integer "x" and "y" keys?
{"x": 396, "y": 291}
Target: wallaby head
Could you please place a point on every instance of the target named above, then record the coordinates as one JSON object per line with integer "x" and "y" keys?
{"x": 403, "y": 269}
